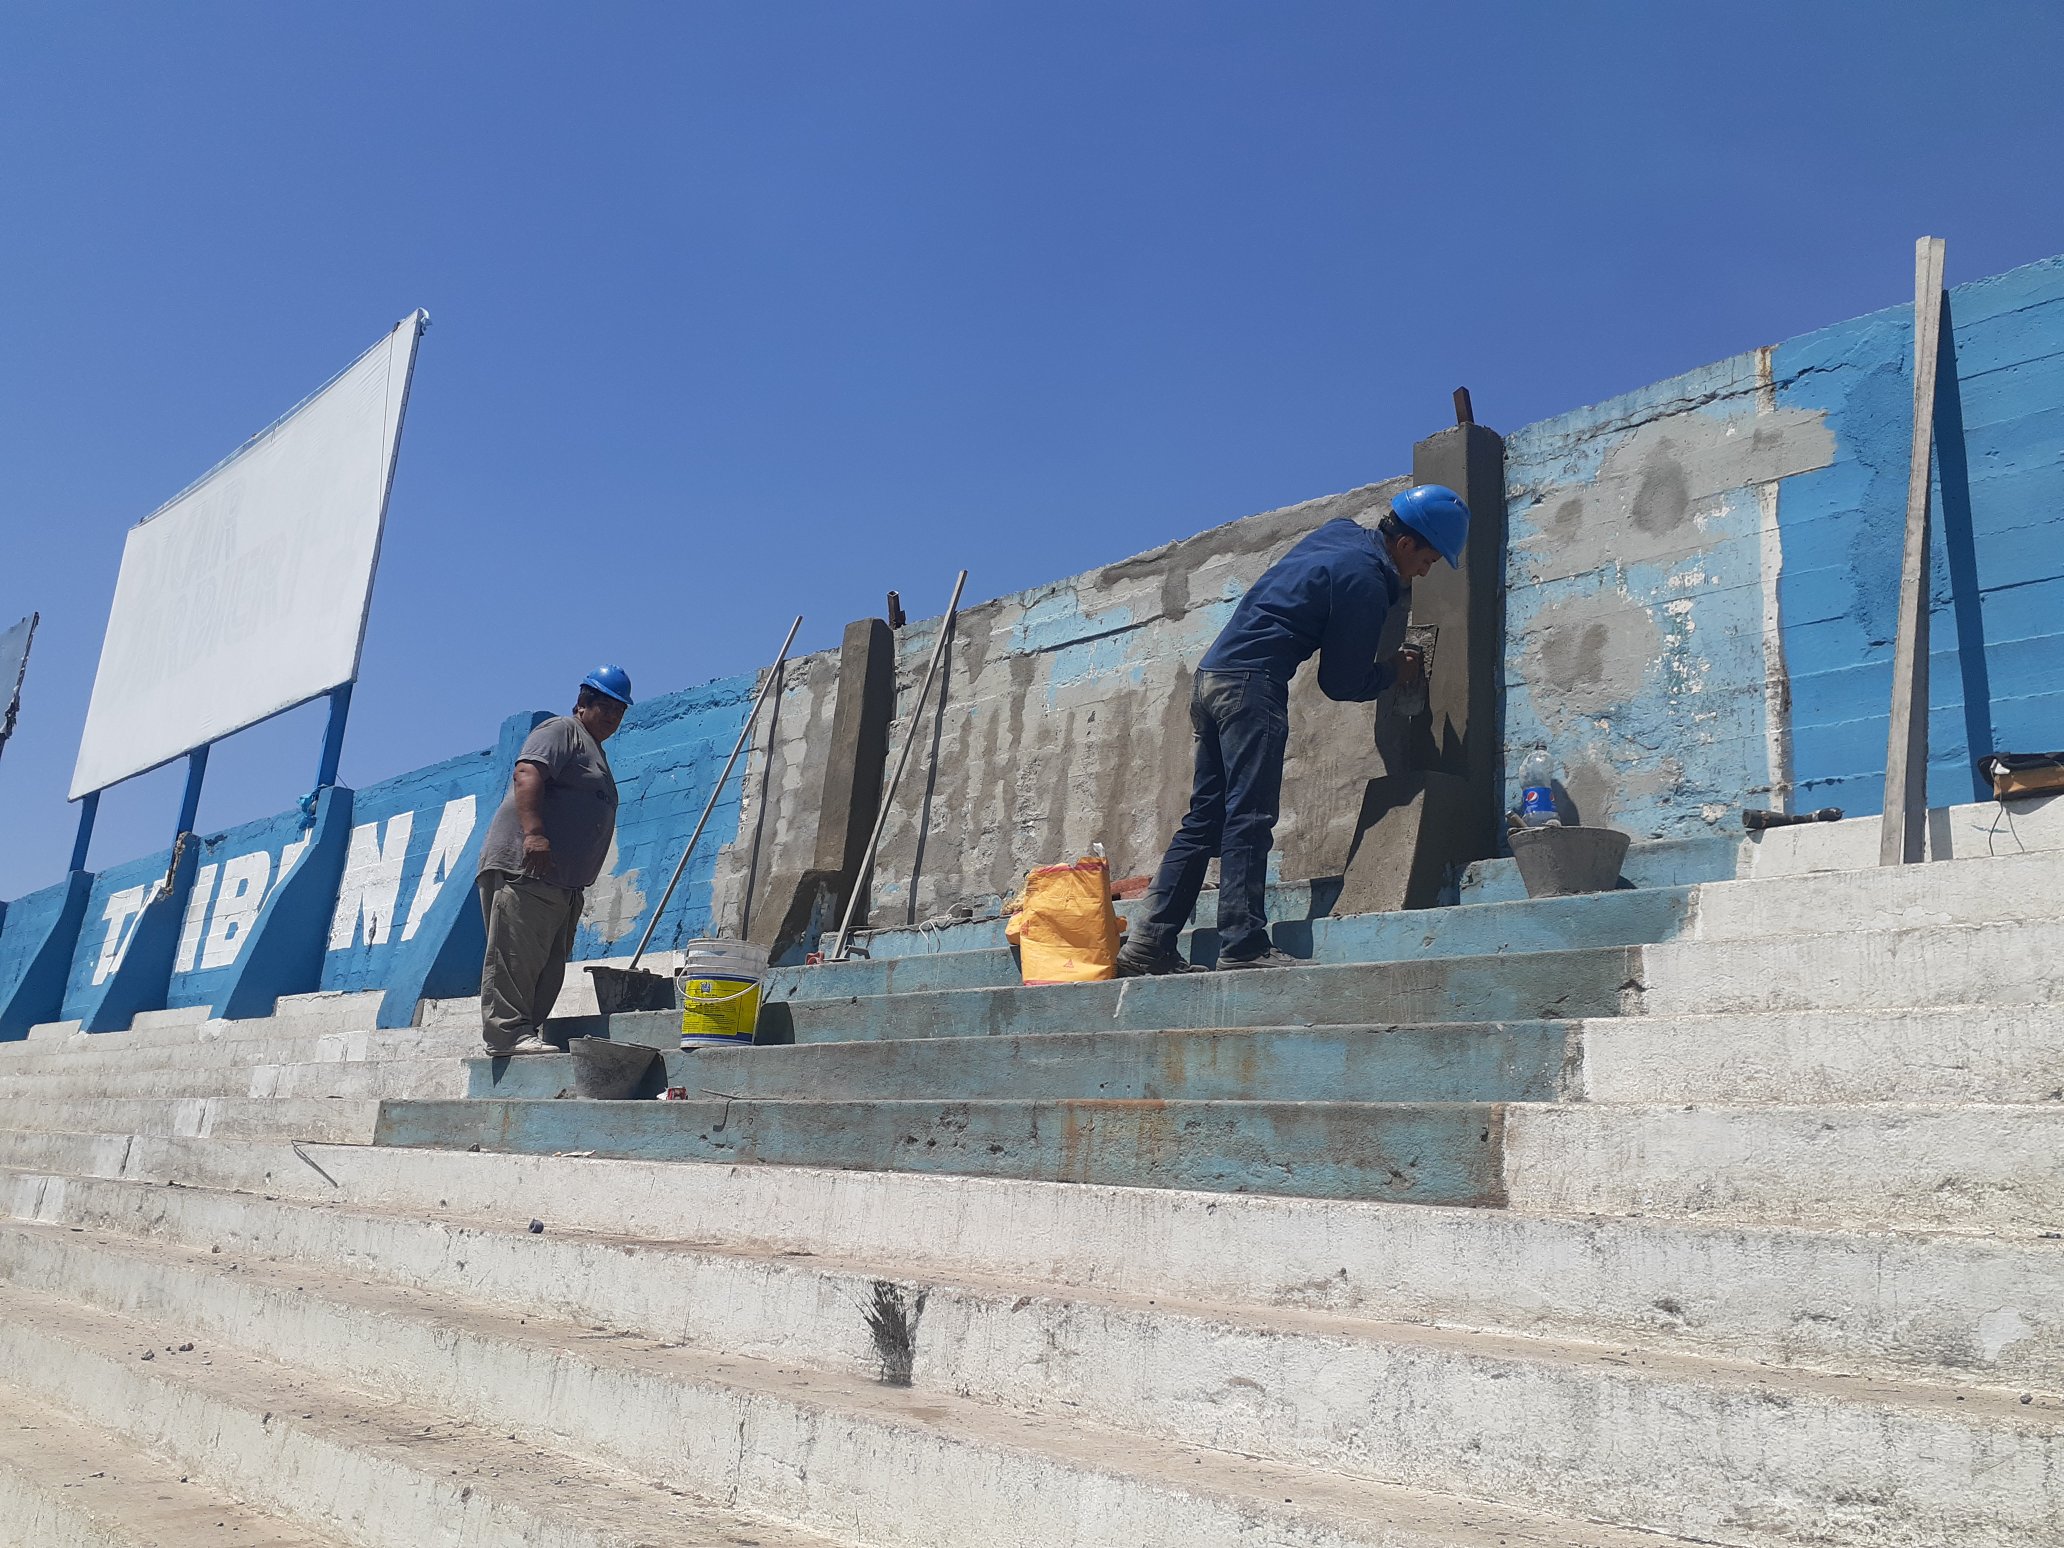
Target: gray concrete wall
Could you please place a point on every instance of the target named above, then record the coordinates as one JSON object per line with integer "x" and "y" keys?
{"x": 1065, "y": 722}
{"x": 776, "y": 836}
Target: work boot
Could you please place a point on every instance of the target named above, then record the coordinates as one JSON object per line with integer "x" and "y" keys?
{"x": 1268, "y": 957}
{"x": 529, "y": 1043}
{"x": 1132, "y": 964}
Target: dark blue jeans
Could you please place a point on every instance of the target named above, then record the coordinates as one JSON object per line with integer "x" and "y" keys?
{"x": 1242, "y": 724}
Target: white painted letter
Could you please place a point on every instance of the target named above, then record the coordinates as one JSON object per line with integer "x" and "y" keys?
{"x": 243, "y": 891}
{"x": 372, "y": 882}
{"x": 453, "y": 829}
{"x": 122, "y": 907}
{"x": 196, "y": 915}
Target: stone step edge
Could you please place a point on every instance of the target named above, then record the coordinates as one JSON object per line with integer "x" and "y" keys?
{"x": 306, "y": 1161}
{"x": 59, "y": 1475}
{"x": 1916, "y": 1388}
{"x": 941, "y": 1423}
{"x": 401, "y": 1458}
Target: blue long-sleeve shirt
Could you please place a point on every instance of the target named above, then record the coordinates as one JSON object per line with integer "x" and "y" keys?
{"x": 1329, "y": 594}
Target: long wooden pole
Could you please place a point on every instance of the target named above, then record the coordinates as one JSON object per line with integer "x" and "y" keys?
{"x": 1903, "y": 829}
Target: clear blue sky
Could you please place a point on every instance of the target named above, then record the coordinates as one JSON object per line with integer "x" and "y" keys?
{"x": 748, "y": 309}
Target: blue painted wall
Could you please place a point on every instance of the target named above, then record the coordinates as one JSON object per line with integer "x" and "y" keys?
{"x": 667, "y": 757}
{"x": 1996, "y": 596}
{"x": 1701, "y": 583}
{"x": 113, "y": 907}
{"x": 1703, "y": 574}
{"x": 237, "y": 871}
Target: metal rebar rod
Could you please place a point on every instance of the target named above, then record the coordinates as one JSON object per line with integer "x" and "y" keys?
{"x": 881, "y": 818}
{"x": 745, "y": 731}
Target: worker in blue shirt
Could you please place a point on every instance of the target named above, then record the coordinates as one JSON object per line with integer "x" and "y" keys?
{"x": 1329, "y": 594}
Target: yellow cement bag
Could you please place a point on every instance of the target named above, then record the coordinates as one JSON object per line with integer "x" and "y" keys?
{"x": 1064, "y": 926}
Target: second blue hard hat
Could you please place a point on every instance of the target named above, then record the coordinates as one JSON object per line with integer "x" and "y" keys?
{"x": 1436, "y": 513}
{"x": 612, "y": 680}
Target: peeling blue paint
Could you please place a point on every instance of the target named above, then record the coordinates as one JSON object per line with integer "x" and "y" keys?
{"x": 1996, "y": 589}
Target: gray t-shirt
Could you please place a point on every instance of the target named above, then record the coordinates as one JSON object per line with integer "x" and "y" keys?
{"x": 578, "y": 807}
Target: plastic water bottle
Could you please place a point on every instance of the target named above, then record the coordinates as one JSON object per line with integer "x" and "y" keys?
{"x": 1537, "y": 784}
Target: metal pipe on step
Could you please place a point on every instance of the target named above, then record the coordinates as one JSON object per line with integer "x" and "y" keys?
{"x": 745, "y": 732}
{"x": 881, "y": 818}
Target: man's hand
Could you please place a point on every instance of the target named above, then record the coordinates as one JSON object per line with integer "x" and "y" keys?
{"x": 1409, "y": 667}
{"x": 537, "y": 855}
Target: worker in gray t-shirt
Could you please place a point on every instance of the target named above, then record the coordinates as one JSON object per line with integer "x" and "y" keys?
{"x": 545, "y": 846}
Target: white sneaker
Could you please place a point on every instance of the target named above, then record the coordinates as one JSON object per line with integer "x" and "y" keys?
{"x": 531, "y": 1043}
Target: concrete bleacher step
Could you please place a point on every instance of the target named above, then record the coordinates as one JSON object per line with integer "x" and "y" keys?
{"x": 296, "y": 1013}
{"x": 1963, "y": 965}
{"x": 1949, "y": 1165}
{"x": 736, "y": 1257}
{"x": 1438, "y": 1152}
{"x": 375, "y": 1471}
{"x": 108, "y": 1051}
{"x": 64, "y": 1484}
{"x": 1475, "y": 1062}
{"x": 345, "y": 1120}
{"x": 1281, "y": 901}
{"x": 2001, "y": 1054}
{"x": 847, "y": 1456}
{"x": 1963, "y": 1166}
{"x": 1977, "y": 965}
{"x": 1937, "y": 1054}
{"x": 1546, "y": 924}
{"x": 2009, "y": 889}
{"x": 1519, "y": 987}
{"x": 328, "y": 1078}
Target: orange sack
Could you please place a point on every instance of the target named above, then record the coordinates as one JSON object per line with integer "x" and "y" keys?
{"x": 1064, "y": 926}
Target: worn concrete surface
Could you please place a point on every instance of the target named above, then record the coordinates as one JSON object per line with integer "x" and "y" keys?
{"x": 1092, "y": 675}
{"x": 1440, "y": 1153}
{"x": 1832, "y": 1456}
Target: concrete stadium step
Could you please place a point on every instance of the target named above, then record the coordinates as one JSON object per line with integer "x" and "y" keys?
{"x": 1928, "y": 1318}
{"x": 313, "y": 1013}
{"x": 1964, "y": 1167}
{"x": 1832, "y": 1457}
{"x": 1442, "y": 1153}
{"x": 345, "y": 1120}
{"x": 378, "y": 1472}
{"x": 1649, "y": 863}
{"x": 1940, "y": 1054}
{"x": 1963, "y": 965}
{"x": 854, "y": 1457}
{"x": 64, "y": 1484}
{"x": 1455, "y": 1062}
{"x": 1546, "y": 924}
{"x": 368, "y": 1078}
{"x": 1960, "y": 1166}
{"x": 1997, "y": 1054}
{"x": 718, "y": 1248}
{"x": 108, "y": 1051}
{"x": 1520, "y": 987}
{"x": 329, "y": 1078}
{"x": 1281, "y": 901}
{"x": 2008, "y": 889}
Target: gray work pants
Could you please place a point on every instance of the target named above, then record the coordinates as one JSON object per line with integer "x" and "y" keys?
{"x": 530, "y": 927}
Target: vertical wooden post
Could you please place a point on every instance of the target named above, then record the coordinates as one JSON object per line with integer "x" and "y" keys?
{"x": 1903, "y": 828}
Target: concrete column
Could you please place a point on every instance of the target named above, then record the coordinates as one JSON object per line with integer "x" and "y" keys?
{"x": 855, "y": 765}
{"x": 1438, "y": 806}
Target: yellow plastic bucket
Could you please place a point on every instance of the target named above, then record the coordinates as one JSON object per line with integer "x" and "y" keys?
{"x": 720, "y": 992}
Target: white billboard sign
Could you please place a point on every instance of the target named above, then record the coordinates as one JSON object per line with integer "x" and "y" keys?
{"x": 247, "y": 594}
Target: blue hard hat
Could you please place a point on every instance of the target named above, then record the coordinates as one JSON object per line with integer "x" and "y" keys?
{"x": 612, "y": 680}
{"x": 1436, "y": 513}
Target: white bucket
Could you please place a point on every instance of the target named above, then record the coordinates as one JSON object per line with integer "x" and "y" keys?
{"x": 720, "y": 992}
